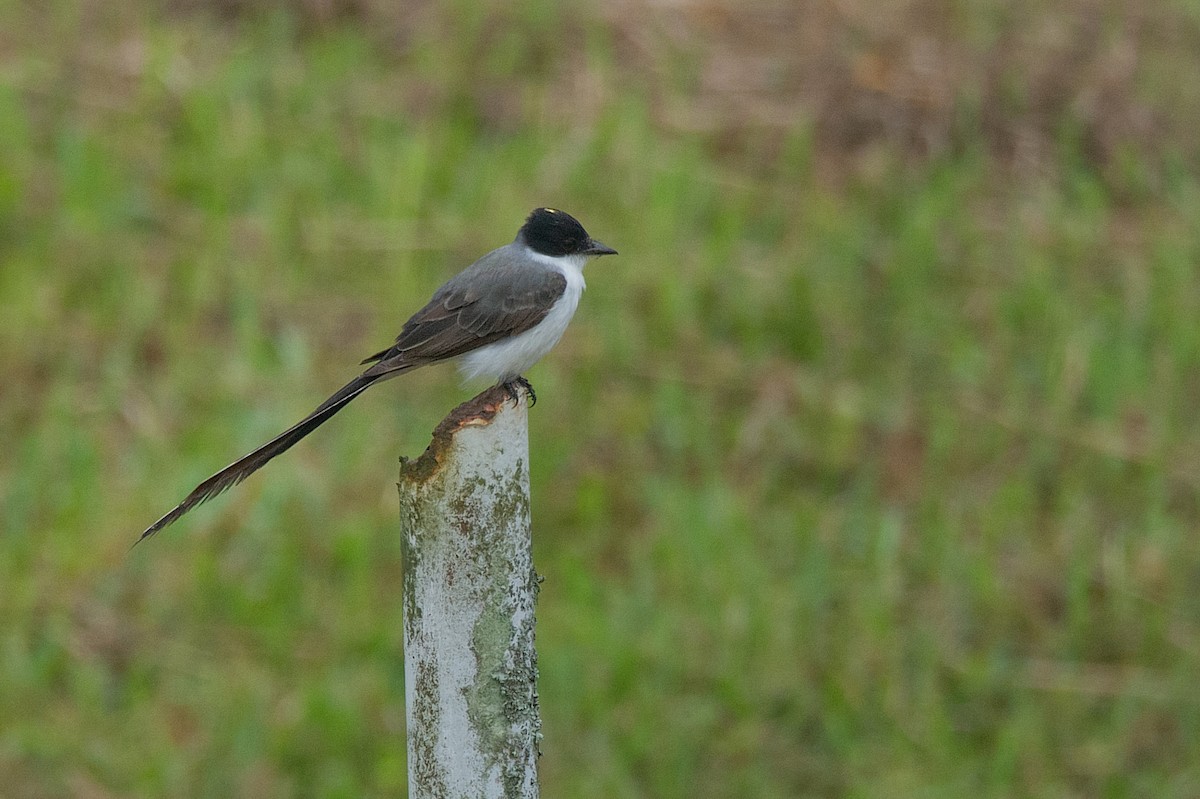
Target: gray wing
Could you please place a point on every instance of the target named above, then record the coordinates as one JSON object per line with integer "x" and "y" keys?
{"x": 498, "y": 296}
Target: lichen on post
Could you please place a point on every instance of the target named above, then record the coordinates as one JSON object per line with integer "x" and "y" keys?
{"x": 470, "y": 666}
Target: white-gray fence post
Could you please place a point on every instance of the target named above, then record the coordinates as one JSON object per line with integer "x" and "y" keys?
{"x": 470, "y": 667}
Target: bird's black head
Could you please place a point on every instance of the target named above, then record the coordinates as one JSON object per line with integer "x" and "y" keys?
{"x": 557, "y": 233}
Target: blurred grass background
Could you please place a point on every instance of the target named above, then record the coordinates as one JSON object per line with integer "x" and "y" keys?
{"x": 869, "y": 468}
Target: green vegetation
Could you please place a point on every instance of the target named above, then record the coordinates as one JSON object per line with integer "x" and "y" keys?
{"x": 871, "y": 467}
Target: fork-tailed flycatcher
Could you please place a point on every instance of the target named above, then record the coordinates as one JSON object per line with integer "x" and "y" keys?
{"x": 498, "y": 317}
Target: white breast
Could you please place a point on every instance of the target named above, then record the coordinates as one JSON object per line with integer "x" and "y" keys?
{"x": 509, "y": 358}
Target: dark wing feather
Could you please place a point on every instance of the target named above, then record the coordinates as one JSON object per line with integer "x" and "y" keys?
{"x": 493, "y": 299}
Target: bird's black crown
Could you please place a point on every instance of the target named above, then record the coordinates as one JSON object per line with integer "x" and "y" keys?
{"x": 554, "y": 233}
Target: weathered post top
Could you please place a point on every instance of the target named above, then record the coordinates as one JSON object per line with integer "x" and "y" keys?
{"x": 470, "y": 666}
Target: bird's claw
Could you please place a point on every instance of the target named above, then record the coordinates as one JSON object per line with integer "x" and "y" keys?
{"x": 511, "y": 387}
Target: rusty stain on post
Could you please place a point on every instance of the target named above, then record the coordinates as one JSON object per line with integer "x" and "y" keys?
{"x": 470, "y": 665}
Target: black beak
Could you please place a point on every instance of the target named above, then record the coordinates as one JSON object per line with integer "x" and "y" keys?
{"x": 596, "y": 248}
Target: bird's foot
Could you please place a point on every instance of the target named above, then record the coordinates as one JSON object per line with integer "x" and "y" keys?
{"x": 512, "y": 386}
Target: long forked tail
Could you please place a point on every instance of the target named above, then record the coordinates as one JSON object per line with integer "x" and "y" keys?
{"x": 242, "y": 468}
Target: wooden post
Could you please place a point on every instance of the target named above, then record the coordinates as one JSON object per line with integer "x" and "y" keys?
{"x": 470, "y": 667}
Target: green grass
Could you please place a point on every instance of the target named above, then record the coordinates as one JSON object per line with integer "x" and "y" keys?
{"x": 861, "y": 472}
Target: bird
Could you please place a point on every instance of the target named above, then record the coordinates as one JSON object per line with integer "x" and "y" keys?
{"x": 497, "y": 318}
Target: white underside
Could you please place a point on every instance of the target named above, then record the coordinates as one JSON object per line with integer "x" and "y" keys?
{"x": 509, "y": 358}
